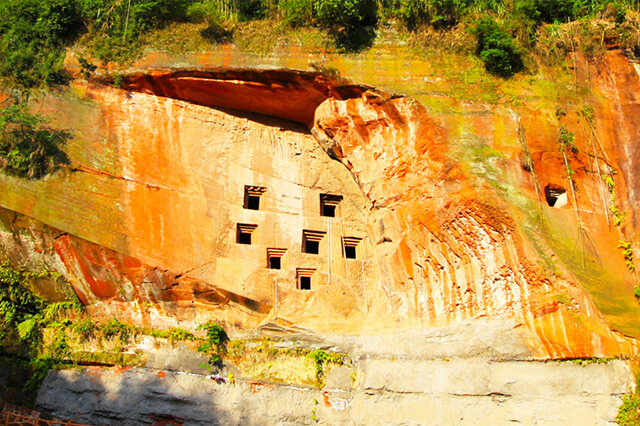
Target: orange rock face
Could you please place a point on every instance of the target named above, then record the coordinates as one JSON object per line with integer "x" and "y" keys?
{"x": 450, "y": 251}
{"x": 260, "y": 92}
{"x": 447, "y": 229}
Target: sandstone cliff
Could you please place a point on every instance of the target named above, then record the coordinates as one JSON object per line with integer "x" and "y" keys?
{"x": 448, "y": 211}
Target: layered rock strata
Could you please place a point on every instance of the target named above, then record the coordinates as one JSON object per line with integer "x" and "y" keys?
{"x": 152, "y": 222}
{"x": 386, "y": 391}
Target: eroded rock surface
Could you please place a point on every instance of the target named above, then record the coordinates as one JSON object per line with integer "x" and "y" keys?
{"x": 473, "y": 392}
{"x": 449, "y": 226}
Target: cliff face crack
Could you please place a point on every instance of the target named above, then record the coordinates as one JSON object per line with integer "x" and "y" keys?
{"x": 84, "y": 169}
{"x": 188, "y": 271}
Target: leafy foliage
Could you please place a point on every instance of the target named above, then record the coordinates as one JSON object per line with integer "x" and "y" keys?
{"x": 18, "y": 304}
{"x": 349, "y": 21}
{"x": 214, "y": 344}
{"x": 23, "y": 315}
{"x": 252, "y": 9}
{"x": 627, "y": 252}
{"x": 497, "y": 48}
{"x": 439, "y": 13}
{"x": 28, "y": 148}
{"x": 116, "y": 25}
{"x": 547, "y": 10}
{"x": 321, "y": 357}
{"x": 345, "y": 15}
{"x": 173, "y": 334}
{"x": 566, "y": 141}
{"x": 33, "y": 34}
{"x": 115, "y": 329}
{"x": 629, "y": 411}
{"x": 85, "y": 328}
{"x": 215, "y": 333}
{"x": 296, "y": 13}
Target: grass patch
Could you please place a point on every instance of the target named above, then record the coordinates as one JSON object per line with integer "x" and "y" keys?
{"x": 629, "y": 411}
{"x": 262, "y": 360}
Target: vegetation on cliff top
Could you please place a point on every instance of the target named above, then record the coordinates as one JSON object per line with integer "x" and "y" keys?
{"x": 34, "y": 34}
{"x": 28, "y": 147}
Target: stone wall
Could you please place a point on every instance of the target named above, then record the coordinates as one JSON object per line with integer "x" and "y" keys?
{"x": 385, "y": 391}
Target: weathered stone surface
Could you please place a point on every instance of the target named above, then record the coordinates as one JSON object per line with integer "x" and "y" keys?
{"x": 144, "y": 226}
{"x": 180, "y": 174}
{"x": 175, "y": 357}
{"x": 388, "y": 392}
{"x": 495, "y": 339}
{"x": 480, "y": 377}
{"x": 450, "y": 250}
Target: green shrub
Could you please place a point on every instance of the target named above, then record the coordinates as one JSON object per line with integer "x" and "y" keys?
{"x": 214, "y": 345}
{"x": 39, "y": 368}
{"x": 174, "y": 334}
{"x": 566, "y": 141}
{"x": 439, "y": 13}
{"x": 33, "y": 34}
{"x": 115, "y": 25}
{"x": 546, "y": 10}
{"x": 345, "y": 15}
{"x": 216, "y": 335}
{"x": 350, "y": 22}
{"x": 204, "y": 12}
{"x": 17, "y": 302}
{"x": 497, "y": 48}
{"x": 321, "y": 357}
{"x": 629, "y": 411}
{"x": 115, "y": 328}
{"x": 28, "y": 148}
{"x": 251, "y": 9}
{"x": 413, "y": 13}
{"x": 296, "y": 13}
{"x": 179, "y": 334}
{"x": 86, "y": 328}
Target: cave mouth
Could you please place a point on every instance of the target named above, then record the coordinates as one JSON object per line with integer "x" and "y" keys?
{"x": 555, "y": 195}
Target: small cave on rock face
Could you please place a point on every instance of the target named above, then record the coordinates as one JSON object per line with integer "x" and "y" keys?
{"x": 555, "y": 195}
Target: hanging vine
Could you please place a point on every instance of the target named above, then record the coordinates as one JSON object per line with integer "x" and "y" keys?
{"x": 568, "y": 149}
{"x": 608, "y": 181}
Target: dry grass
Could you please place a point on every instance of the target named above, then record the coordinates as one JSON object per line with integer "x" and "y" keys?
{"x": 180, "y": 38}
{"x": 629, "y": 35}
{"x": 263, "y": 37}
{"x": 456, "y": 40}
{"x": 265, "y": 363}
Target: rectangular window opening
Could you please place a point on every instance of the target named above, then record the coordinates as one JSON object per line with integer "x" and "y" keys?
{"x": 244, "y": 237}
{"x": 350, "y": 252}
{"x": 274, "y": 257}
{"x": 243, "y": 233}
{"x": 311, "y": 247}
{"x": 304, "y": 278}
{"x": 275, "y": 263}
{"x": 253, "y": 202}
{"x": 349, "y": 245}
{"x": 311, "y": 241}
{"x": 329, "y": 204}
{"x": 252, "y": 196}
{"x": 305, "y": 283}
{"x": 329, "y": 211}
